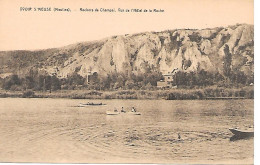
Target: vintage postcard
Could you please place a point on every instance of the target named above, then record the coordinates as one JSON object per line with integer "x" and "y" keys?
{"x": 132, "y": 81}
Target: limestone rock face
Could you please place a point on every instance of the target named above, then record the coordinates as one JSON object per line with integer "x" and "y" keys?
{"x": 187, "y": 50}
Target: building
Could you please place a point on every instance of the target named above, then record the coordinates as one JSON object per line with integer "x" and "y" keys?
{"x": 88, "y": 77}
{"x": 167, "y": 82}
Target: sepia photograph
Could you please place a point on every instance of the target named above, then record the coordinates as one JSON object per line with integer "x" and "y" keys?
{"x": 133, "y": 81}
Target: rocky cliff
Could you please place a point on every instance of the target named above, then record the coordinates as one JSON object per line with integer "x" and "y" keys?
{"x": 181, "y": 49}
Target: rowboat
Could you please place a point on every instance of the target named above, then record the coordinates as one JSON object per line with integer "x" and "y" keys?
{"x": 112, "y": 112}
{"x": 126, "y": 113}
{"x": 134, "y": 113}
{"x": 242, "y": 133}
{"x": 90, "y": 104}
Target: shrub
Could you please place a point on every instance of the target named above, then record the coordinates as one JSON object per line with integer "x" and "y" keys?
{"x": 250, "y": 94}
{"x": 28, "y": 94}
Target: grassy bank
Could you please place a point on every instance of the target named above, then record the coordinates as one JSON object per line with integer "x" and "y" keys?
{"x": 212, "y": 93}
{"x": 170, "y": 94}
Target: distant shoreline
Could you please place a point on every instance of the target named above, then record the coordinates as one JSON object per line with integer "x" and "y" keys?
{"x": 209, "y": 93}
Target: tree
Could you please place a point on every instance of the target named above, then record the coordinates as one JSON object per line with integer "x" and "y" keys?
{"x": 28, "y": 82}
{"x": 180, "y": 78}
{"x": 47, "y": 83}
{"x": 10, "y": 81}
{"x": 227, "y": 61}
{"x": 1, "y": 82}
{"x": 40, "y": 83}
{"x": 94, "y": 78}
{"x": 129, "y": 84}
{"x": 56, "y": 84}
{"x": 121, "y": 79}
{"x": 75, "y": 79}
{"x": 192, "y": 80}
{"x": 152, "y": 78}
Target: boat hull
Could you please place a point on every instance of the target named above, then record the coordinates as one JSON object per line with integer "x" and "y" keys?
{"x": 241, "y": 133}
{"x": 126, "y": 113}
{"x": 112, "y": 113}
{"x": 134, "y": 113}
{"x": 84, "y": 105}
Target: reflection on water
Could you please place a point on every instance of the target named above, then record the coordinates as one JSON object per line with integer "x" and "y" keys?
{"x": 56, "y": 130}
{"x": 235, "y": 137}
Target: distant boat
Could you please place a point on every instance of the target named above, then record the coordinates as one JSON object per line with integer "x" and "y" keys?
{"x": 112, "y": 112}
{"x": 117, "y": 113}
{"x": 134, "y": 113}
{"x": 90, "y": 104}
{"x": 242, "y": 133}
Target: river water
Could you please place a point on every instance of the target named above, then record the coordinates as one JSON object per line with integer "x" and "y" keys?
{"x": 56, "y": 130}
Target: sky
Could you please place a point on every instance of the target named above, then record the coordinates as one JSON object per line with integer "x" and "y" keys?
{"x": 30, "y": 30}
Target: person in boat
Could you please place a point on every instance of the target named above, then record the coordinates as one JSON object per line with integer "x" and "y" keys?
{"x": 133, "y": 109}
{"x": 122, "y": 110}
{"x": 179, "y": 136}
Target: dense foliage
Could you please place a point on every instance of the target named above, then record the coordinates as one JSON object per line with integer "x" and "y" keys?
{"x": 112, "y": 81}
{"x": 115, "y": 81}
{"x": 204, "y": 78}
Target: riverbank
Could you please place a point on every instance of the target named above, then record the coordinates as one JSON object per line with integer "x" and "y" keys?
{"x": 169, "y": 94}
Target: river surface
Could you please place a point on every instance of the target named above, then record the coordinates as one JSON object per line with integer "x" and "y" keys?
{"x": 56, "y": 130}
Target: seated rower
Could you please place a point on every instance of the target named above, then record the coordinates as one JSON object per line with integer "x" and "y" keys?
{"x": 179, "y": 136}
{"x": 122, "y": 110}
{"x": 133, "y": 109}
